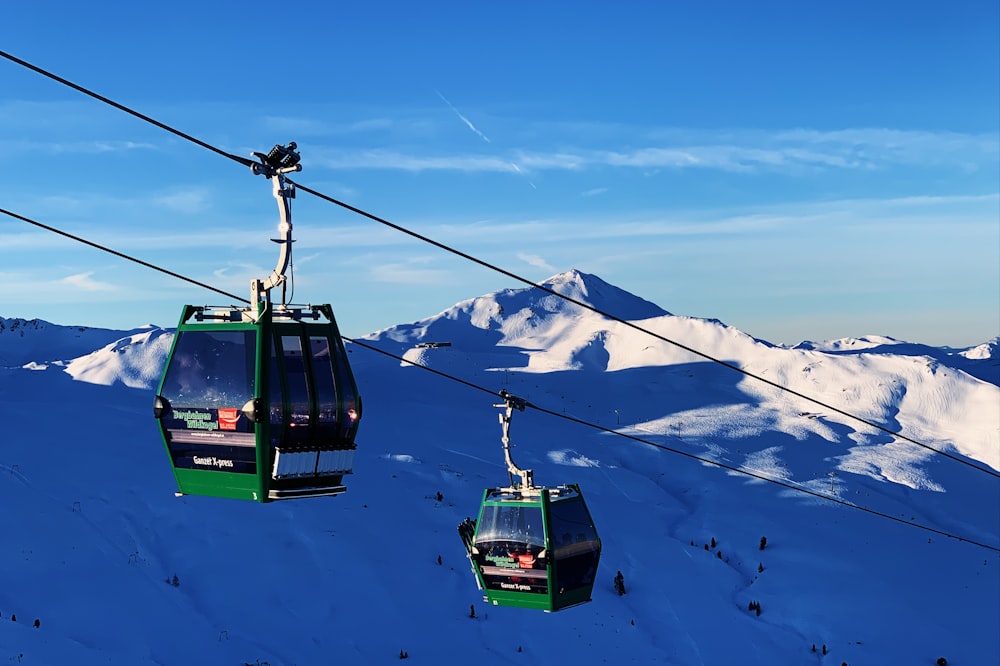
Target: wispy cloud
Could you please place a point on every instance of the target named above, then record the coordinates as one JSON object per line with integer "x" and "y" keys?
{"x": 84, "y": 282}
{"x": 746, "y": 151}
{"x": 301, "y": 126}
{"x": 536, "y": 261}
{"x": 386, "y": 159}
{"x": 192, "y": 200}
{"x": 409, "y": 273}
{"x": 68, "y": 147}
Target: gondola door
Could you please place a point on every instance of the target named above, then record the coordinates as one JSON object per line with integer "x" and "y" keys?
{"x": 207, "y": 404}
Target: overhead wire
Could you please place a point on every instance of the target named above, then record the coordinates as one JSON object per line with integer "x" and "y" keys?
{"x": 122, "y": 255}
{"x": 544, "y": 410}
{"x": 510, "y": 274}
{"x": 121, "y": 107}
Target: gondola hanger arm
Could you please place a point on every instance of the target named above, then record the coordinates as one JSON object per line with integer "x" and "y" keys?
{"x": 279, "y": 161}
{"x": 512, "y": 402}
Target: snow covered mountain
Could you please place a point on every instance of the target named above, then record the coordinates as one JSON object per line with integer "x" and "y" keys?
{"x": 116, "y": 568}
{"x": 26, "y": 340}
{"x": 920, "y": 389}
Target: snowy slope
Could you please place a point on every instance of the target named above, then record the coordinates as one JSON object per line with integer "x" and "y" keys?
{"x": 33, "y": 340}
{"x": 97, "y": 536}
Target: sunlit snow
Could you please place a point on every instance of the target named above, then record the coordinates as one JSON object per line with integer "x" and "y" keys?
{"x": 117, "y": 570}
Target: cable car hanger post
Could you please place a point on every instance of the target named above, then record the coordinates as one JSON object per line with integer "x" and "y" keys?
{"x": 512, "y": 402}
{"x": 279, "y": 161}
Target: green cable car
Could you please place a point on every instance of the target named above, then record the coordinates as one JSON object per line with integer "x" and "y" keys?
{"x": 259, "y": 403}
{"x": 532, "y": 546}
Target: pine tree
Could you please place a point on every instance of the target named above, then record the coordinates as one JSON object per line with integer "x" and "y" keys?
{"x": 763, "y": 542}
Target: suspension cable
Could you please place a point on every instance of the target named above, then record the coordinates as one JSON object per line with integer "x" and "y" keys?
{"x": 120, "y": 254}
{"x": 121, "y": 107}
{"x": 514, "y": 276}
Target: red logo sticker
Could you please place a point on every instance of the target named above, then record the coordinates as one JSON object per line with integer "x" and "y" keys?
{"x": 228, "y": 418}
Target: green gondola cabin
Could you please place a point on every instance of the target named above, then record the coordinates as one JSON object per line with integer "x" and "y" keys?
{"x": 259, "y": 402}
{"x": 532, "y": 546}
{"x": 259, "y": 410}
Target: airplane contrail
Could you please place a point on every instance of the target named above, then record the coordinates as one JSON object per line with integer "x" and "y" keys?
{"x": 468, "y": 123}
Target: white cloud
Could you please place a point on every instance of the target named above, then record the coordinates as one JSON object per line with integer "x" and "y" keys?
{"x": 536, "y": 261}
{"x": 407, "y": 273}
{"x": 184, "y": 201}
{"x": 84, "y": 282}
{"x": 300, "y": 126}
{"x": 386, "y": 159}
{"x": 733, "y": 150}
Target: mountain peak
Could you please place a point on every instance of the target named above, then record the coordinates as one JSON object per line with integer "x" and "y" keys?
{"x": 513, "y": 311}
{"x": 592, "y": 290}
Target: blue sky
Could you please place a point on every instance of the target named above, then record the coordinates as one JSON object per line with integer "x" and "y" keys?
{"x": 799, "y": 171}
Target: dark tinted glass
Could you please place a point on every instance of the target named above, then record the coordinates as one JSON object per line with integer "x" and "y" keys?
{"x": 574, "y": 542}
{"x": 211, "y": 369}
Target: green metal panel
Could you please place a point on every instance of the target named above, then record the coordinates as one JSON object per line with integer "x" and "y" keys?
{"x": 219, "y": 484}
{"x": 262, "y": 387}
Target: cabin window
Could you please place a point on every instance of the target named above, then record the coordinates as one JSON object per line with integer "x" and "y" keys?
{"x": 510, "y": 539}
{"x": 512, "y": 523}
{"x": 298, "y": 381}
{"x": 574, "y": 543}
{"x": 211, "y": 369}
{"x": 326, "y": 389}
